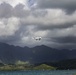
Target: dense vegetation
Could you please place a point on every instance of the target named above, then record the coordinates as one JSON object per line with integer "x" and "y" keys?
{"x": 20, "y": 65}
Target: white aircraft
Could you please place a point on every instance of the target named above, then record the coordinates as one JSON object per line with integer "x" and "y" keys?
{"x": 37, "y": 38}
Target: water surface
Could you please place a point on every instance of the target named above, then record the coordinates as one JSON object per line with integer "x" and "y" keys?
{"x": 53, "y": 72}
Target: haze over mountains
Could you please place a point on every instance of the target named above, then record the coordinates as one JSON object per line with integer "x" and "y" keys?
{"x": 38, "y": 54}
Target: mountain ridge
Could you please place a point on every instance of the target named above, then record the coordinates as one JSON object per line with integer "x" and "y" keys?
{"x": 37, "y": 54}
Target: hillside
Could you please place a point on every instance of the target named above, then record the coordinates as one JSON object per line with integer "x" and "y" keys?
{"x": 44, "y": 67}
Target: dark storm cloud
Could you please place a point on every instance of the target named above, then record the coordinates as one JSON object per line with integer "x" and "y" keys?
{"x": 65, "y": 39}
{"x": 52, "y": 27}
{"x": 68, "y": 5}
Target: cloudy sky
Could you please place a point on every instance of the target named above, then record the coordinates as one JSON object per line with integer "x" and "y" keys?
{"x": 53, "y": 20}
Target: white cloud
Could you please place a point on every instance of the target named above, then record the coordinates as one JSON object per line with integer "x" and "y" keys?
{"x": 13, "y": 2}
{"x": 8, "y": 27}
